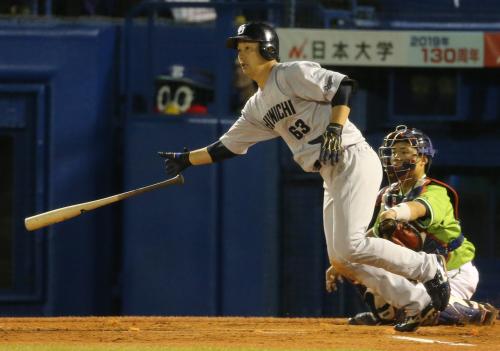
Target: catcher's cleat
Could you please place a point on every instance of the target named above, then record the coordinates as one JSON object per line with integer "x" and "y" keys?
{"x": 438, "y": 287}
{"x": 490, "y": 314}
{"x": 367, "y": 318}
{"x": 363, "y": 318}
{"x": 411, "y": 323}
{"x": 465, "y": 312}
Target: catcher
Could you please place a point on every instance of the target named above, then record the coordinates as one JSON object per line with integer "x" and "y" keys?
{"x": 420, "y": 213}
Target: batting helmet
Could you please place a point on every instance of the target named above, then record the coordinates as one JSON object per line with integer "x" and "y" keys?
{"x": 416, "y": 138}
{"x": 260, "y": 32}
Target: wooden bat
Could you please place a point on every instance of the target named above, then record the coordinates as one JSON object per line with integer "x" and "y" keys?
{"x": 61, "y": 214}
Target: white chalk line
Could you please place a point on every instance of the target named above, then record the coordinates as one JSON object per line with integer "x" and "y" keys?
{"x": 280, "y": 331}
{"x": 430, "y": 341}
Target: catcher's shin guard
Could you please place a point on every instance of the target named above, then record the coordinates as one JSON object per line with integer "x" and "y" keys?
{"x": 463, "y": 312}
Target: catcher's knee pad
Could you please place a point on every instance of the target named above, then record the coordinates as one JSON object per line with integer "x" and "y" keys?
{"x": 381, "y": 309}
{"x": 463, "y": 312}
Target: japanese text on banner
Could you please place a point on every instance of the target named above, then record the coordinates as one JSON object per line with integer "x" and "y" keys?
{"x": 383, "y": 48}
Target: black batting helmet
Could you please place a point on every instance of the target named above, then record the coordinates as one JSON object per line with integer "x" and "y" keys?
{"x": 260, "y": 32}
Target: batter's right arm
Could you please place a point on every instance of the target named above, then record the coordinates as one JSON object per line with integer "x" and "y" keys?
{"x": 176, "y": 162}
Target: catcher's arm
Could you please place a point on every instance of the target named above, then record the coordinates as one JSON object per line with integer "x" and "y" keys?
{"x": 394, "y": 224}
{"x": 406, "y": 211}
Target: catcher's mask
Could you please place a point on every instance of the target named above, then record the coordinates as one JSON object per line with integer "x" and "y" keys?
{"x": 416, "y": 139}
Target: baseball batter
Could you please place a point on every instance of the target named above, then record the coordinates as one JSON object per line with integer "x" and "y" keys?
{"x": 308, "y": 107}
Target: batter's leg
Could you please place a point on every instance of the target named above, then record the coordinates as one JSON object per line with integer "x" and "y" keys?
{"x": 328, "y": 224}
{"x": 353, "y": 188}
{"x": 395, "y": 289}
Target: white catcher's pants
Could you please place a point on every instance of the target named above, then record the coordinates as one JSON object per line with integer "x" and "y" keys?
{"x": 463, "y": 281}
{"x": 351, "y": 189}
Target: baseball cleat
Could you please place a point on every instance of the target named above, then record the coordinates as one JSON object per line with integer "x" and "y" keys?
{"x": 411, "y": 323}
{"x": 490, "y": 314}
{"x": 464, "y": 312}
{"x": 365, "y": 318}
{"x": 438, "y": 287}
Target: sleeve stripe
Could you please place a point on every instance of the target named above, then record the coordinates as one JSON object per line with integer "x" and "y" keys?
{"x": 429, "y": 208}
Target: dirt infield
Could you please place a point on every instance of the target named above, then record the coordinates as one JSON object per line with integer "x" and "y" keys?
{"x": 269, "y": 333}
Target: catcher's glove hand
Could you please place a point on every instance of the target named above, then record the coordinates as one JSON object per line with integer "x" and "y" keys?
{"x": 175, "y": 162}
{"x": 331, "y": 144}
{"x": 401, "y": 233}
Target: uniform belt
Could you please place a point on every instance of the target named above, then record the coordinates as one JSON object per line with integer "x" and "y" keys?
{"x": 455, "y": 243}
{"x": 451, "y": 246}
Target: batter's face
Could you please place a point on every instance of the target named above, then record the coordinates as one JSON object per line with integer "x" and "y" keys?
{"x": 250, "y": 59}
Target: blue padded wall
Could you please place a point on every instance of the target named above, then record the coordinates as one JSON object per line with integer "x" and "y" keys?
{"x": 204, "y": 248}
{"x": 168, "y": 235}
{"x": 74, "y": 64}
{"x": 251, "y": 216}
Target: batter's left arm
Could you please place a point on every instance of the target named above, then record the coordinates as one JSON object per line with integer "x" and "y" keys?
{"x": 331, "y": 139}
{"x": 341, "y": 102}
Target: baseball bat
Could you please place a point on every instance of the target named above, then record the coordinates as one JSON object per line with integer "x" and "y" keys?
{"x": 62, "y": 214}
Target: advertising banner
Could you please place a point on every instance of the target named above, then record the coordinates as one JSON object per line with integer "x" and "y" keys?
{"x": 389, "y": 48}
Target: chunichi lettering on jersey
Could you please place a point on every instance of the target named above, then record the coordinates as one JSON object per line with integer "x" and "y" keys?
{"x": 278, "y": 112}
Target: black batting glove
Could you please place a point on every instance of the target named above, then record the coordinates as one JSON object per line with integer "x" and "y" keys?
{"x": 175, "y": 162}
{"x": 331, "y": 144}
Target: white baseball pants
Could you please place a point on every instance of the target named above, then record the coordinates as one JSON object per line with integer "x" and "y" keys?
{"x": 351, "y": 188}
{"x": 401, "y": 293}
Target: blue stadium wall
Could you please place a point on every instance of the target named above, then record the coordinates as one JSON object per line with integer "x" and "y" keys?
{"x": 57, "y": 98}
{"x": 240, "y": 238}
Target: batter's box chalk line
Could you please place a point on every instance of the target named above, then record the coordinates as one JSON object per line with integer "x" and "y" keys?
{"x": 430, "y": 341}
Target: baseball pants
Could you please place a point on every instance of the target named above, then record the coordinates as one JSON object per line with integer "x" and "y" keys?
{"x": 351, "y": 188}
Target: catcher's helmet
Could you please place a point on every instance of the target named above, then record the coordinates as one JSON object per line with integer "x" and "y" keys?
{"x": 416, "y": 138}
{"x": 260, "y": 32}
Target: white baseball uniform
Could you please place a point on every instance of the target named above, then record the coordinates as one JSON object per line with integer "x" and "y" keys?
{"x": 401, "y": 293}
{"x": 295, "y": 104}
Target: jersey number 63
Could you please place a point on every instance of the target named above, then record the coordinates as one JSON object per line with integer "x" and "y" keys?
{"x": 299, "y": 129}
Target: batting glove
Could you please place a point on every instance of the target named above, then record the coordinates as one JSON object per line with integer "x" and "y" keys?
{"x": 331, "y": 144}
{"x": 175, "y": 162}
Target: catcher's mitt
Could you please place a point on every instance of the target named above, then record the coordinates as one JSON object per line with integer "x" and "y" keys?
{"x": 401, "y": 233}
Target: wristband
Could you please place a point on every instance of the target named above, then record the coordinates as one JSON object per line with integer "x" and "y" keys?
{"x": 219, "y": 152}
{"x": 403, "y": 212}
